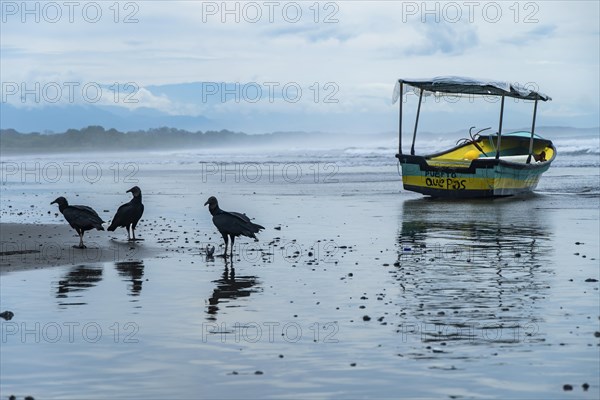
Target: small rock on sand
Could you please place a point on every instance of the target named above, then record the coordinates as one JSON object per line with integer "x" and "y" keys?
{"x": 7, "y": 315}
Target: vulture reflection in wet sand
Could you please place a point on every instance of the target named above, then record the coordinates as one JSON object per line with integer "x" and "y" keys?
{"x": 230, "y": 287}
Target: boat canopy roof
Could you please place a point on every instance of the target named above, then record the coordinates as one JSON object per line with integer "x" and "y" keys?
{"x": 468, "y": 86}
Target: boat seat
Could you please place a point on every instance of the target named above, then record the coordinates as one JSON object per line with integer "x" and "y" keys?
{"x": 448, "y": 162}
{"x": 465, "y": 163}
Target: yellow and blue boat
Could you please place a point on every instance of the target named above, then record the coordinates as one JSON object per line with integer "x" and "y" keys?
{"x": 483, "y": 165}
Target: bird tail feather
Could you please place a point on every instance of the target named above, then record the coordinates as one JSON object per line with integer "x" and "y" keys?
{"x": 249, "y": 234}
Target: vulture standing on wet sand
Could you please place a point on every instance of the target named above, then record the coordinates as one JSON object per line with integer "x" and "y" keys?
{"x": 129, "y": 214}
{"x": 231, "y": 224}
{"x": 81, "y": 218}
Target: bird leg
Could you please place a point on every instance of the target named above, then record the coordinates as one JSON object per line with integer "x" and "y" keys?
{"x": 226, "y": 239}
{"x": 128, "y": 235}
{"x": 133, "y": 233}
{"x": 231, "y": 248}
{"x": 81, "y": 245}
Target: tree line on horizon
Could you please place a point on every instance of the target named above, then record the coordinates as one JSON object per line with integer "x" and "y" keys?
{"x": 97, "y": 138}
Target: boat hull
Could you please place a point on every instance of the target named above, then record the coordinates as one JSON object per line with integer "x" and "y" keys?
{"x": 478, "y": 178}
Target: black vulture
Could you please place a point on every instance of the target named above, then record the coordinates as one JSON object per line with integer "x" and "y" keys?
{"x": 129, "y": 214}
{"x": 81, "y": 218}
{"x": 231, "y": 224}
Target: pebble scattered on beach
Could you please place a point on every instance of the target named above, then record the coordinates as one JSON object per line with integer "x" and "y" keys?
{"x": 7, "y": 315}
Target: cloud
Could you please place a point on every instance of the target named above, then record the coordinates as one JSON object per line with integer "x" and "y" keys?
{"x": 445, "y": 38}
{"x": 533, "y": 35}
{"x": 311, "y": 33}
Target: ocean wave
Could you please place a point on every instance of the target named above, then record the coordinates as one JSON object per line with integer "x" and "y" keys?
{"x": 576, "y": 162}
{"x": 578, "y": 146}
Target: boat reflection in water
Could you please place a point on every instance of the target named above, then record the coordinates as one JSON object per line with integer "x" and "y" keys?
{"x": 134, "y": 272}
{"x": 230, "y": 287}
{"x": 78, "y": 279}
{"x": 472, "y": 271}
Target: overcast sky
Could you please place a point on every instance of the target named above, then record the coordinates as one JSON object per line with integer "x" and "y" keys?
{"x": 345, "y": 56}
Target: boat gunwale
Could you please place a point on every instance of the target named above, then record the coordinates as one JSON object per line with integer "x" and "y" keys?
{"x": 474, "y": 164}
{"x": 481, "y": 139}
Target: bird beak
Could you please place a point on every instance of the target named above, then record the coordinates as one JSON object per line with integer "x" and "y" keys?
{"x": 206, "y": 203}
{"x": 53, "y": 202}
{"x": 129, "y": 191}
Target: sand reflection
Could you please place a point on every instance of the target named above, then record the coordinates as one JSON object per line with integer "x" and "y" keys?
{"x": 230, "y": 287}
{"x": 69, "y": 289}
{"x": 473, "y": 271}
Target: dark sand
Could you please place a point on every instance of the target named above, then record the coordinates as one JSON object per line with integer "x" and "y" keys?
{"x": 31, "y": 246}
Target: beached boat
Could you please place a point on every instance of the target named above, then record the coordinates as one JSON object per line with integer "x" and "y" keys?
{"x": 482, "y": 165}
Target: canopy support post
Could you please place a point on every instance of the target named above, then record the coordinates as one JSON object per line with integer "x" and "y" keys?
{"x": 412, "y": 148}
{"x": 400, "y": 119}
{"x": 500, "y": 129}
{"x": 532, "y": 131}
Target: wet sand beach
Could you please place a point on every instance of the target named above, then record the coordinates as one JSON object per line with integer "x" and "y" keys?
{"x": 31, "y": 246}
{"x": 356, "y": 289}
